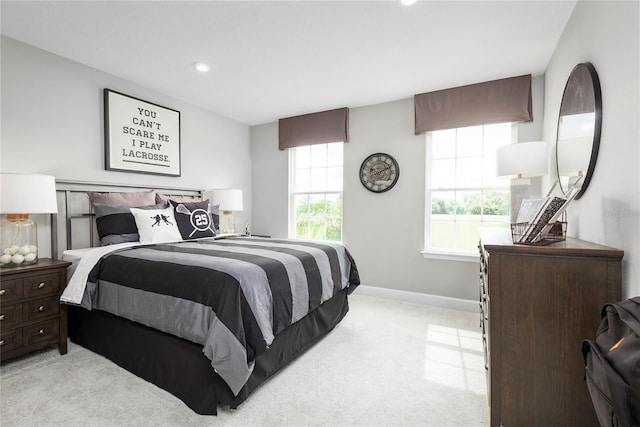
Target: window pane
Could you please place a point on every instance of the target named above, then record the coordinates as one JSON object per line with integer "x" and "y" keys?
{"x": 334, "y": 178}
{"x": 467, "y": 235}
{"x": 441, "y": 232}
{"x": 469, "y": 141}
{"x": 489, "y": 177}
{"x": 334, "y": 154}
{"x": 496, "y": 203}
{"x": 443, "y": 173}
{"x": 469, "y": 172}
{"x": 302, "y": 228}
{"x": 333, "y": 218}
{"x": 443, "y": 144}
{"x": 317, "y": 207}
{"x": 495, "y": 136}
{"x": 334, "y": 229}
{"x": 318, "y": 179}
{"x": 319, "y": 155}
{"x": 334, "y": 205}
{"x": 303, "y": 157}
{"x": 443, "y": 202}
{"x": 302, "y": 180}
{"x": 468, "y": 203}
{"x": 302, "y": 205}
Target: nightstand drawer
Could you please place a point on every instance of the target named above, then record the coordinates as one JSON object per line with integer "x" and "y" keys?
{"x": 41, "y": 331}
{"x": 10, "y": 339}
{"x": 10, "y": 315}
{"x": 10, "y": 291}
{"x": 40, "y": 308}
{"x": 41, "y": 285}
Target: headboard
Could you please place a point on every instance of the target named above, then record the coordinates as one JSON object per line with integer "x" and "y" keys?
{"x": 74, "y": 225}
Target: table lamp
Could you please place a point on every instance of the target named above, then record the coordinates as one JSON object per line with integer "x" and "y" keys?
{"x": 523, "y": 160}
{"x": 229, "y": 200}
{"x": 21, "y": 195}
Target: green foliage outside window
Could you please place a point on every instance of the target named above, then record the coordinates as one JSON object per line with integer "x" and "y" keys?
{"x": 495, "y": 203}
{"x": 319, "y": 219}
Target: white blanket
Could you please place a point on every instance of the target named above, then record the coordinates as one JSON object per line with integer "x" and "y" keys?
{"x": 75, "y": 288}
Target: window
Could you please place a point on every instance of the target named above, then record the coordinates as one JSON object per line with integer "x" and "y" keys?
{"x": 316, "y": 192}
{"x": 463, "y": 192}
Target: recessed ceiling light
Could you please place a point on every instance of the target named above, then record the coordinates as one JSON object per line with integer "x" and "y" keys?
{"x": 408, "y": 2}
{"x": 201, "y": 66}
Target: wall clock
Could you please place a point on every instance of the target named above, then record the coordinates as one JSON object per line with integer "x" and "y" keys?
{"x": 379, "y": 172}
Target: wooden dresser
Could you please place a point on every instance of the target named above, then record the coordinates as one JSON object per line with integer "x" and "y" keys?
{"x": 31, "y": 316}
{"x": 537, "y": 305}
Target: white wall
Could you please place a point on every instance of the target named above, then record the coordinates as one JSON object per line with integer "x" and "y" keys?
{"x": 606, "y": 34}
{"x": 52, "y": 123}
{"x": 384, "y": 232}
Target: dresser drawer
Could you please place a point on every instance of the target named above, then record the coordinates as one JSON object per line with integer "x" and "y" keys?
{"x": 41, "y": 331}
{"x": 40, "y": 308}
{"x": 10, "y": 315}
{"x": 10, "y": 291}
{"x": 45, "y": 284}
{"x": 10, "y": 339}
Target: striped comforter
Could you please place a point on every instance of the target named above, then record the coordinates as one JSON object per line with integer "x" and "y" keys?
{"x": 231, "y": 295}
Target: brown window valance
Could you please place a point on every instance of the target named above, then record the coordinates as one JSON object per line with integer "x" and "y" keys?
{"x": 497, "y": 101}
{"x": 314, "y": 128}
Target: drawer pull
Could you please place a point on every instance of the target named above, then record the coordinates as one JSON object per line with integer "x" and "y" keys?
{"x": 41, "y": 331}
{"x": 41, "y": 285}
{"x": 2, "y": 292}
{"x": 1, "y": 342}
{"x": 41, "y": 308}
{"x": 1, "y": 317}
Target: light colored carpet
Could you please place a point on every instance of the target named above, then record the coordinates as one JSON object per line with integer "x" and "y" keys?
{"x": 388, "y": 363}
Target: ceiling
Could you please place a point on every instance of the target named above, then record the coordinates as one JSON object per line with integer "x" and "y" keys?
{"x": 274, "y": 59}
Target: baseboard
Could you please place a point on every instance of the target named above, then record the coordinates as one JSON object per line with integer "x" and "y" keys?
{"x": 418, "y": 298}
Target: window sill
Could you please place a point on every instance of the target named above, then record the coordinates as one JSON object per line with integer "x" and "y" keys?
{"x": 451, "y": 256}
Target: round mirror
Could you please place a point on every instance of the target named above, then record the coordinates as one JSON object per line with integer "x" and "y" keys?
{"x": 579, "y": 127}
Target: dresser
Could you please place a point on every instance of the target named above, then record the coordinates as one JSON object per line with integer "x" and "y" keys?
{"x": 31, "y": 316}
{"x": 537, "y": 304}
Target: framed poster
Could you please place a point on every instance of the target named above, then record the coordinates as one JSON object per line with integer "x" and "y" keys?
{"x": 140, "y": 136}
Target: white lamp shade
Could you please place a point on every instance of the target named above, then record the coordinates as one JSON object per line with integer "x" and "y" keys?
{"x": 27, "y": 194}
{"x": 229, "y": 199}
{"x": 524, "y": 159}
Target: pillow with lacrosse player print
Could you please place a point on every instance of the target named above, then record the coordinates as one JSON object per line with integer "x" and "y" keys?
{"x": 194, "y": 219}
{"x": 156, "y": 225}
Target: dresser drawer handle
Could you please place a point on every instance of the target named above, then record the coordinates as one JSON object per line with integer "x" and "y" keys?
{"x": 1, "y": 342}
{"x": 41, "y": 308}
{"x": 41, "y": 285}
{"x": 1, "y": 317}
{"x": 2, "y": 292}
{"x": 41, "y": 331}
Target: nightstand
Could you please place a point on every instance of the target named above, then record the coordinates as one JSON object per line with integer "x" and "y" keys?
{"x": 31, "y": 316}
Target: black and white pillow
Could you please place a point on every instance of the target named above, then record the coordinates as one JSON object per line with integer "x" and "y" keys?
{"x": 194, "y": 219}
{"x": 116, "y": 224}
{"x": 156, "y": 225}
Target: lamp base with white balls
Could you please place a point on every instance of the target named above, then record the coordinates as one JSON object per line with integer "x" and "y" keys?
{"x": 18, "y": 241}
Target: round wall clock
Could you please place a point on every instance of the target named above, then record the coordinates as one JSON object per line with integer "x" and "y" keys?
{"x": 379, "y": 172}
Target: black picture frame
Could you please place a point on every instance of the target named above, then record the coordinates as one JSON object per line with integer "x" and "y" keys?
{"x": 140, "y": 136}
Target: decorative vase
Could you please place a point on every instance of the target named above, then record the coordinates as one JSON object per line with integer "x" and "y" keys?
{"x": 18, "y": 241}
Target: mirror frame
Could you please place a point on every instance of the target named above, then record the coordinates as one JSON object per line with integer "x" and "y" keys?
{"x": 597, "y": 128}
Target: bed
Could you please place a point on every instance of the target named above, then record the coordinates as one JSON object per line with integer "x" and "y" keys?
{"x": 207, "y": 317}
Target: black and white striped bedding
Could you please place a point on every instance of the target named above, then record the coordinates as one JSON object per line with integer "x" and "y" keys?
{"x": 231, "y": 295}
